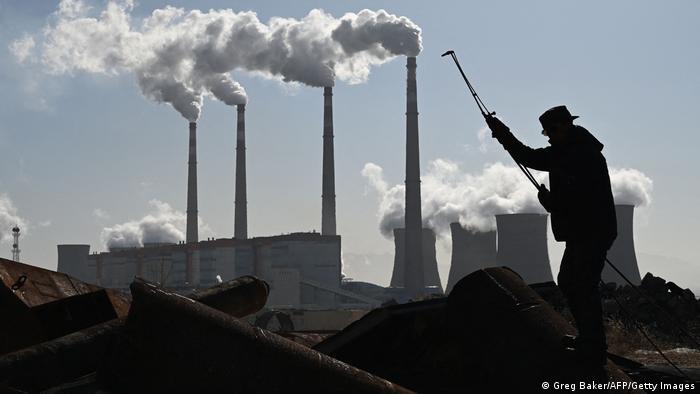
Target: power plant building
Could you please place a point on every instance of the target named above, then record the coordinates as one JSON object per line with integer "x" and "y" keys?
{"x": 73, "y": 260}
{"x": 522, "y": 245}
{"x": 303, "y": 269}
{"x": 622, "y": 253}
{"x": 471, "y": 251}
{"x": 430, "y": 268}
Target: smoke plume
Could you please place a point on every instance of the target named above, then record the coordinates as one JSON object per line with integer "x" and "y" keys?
{"x": 9, "y": 218}
{"x": 179, "y": 57}
{"x": 163, "y": 225}
{"x": 631, "y": 186}
{"x": 449, "y": 195}
{"x": 379, "y": 33}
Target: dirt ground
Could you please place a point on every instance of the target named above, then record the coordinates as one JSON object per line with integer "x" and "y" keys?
{"x": 630, "y": 343}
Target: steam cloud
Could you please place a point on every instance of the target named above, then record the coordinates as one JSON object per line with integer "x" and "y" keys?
{"x": 9, "y": 218}
{"x": 179, "y": 57}
{"x": 631, "y": 186}
{"x": 163, "y": 225}
{"x": 449, "y": 195}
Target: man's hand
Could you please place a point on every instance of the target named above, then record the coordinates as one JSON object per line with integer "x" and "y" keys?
{"x": 545, "y": 198}
{"x": 498, "y": 128}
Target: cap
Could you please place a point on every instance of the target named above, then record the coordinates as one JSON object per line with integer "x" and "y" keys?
{"x": 555, "y": 115}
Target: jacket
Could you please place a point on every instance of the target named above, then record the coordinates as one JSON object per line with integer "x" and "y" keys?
{"x": 582, "y": 205}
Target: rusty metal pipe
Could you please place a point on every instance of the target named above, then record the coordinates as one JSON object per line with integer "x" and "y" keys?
{"x": 515, "y": 334}
{"x": 53, "y": 362}
{"x": 172, "y": 343}
{"x": 66, "y": 358}
{"x": 238, "y": 297}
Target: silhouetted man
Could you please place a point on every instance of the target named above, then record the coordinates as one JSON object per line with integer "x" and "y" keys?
{"x": 582, "y": 214}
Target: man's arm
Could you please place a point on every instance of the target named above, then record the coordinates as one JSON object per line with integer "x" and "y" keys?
{"x": 529, "y": 157}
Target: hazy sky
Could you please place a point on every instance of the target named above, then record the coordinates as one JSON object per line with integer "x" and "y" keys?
{"x": 83, "y": 151}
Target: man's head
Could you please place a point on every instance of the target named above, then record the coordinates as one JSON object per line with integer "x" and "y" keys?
{"x": 555, "y": 123}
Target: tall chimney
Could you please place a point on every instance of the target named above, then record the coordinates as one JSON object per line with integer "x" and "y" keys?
{"x": 192, "y": 230}
{"x": 414, "y": 275}
{"x": 622, "y": 251}
{"x": 328, "y": 187}
{"x": 240, "y": 220}
{"x": 430, "y": 268}
{"x": 471, "y": 251}
{"x": 522, "y": 246}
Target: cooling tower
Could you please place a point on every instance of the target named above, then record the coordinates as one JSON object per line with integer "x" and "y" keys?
{"x": 240, "y": 215}
{"x": 430, "y": 269}
{"x": 471, "y": 251}
{"x": 328, "y": 181}
{"x": 414, "y": 276}
{"x": 192, "y": 231}
{"x": 622, "y": 251}
{"x": 73, "y": 260}
{"x": 522, "y": 245}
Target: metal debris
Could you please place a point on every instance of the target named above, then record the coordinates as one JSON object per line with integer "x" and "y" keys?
{"x": 238, "y": 297}
{"x": 492, "y": 332}
{"x": 38, "y": 305}
{"x": 170, "y": 344}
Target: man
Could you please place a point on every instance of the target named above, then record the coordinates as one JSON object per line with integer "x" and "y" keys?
{"x": 582, "y": 214}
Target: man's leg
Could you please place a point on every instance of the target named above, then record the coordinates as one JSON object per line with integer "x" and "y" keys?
{"x": 578, "y": 279}
{"x": 567, "y": 277}
{"x": 590, "y": 323}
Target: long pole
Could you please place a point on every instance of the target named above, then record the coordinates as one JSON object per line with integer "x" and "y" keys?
{"x": 486, "y": 114}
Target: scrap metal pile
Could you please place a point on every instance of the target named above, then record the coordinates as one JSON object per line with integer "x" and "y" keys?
{"x": 166, "y": 343}
{"x": 492, "y": 332}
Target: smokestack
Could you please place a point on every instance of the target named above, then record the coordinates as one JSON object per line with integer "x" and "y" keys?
{"x": 192, "y": 265}
{"x": 471, "y": 251}
{"x": 414, "y": 274}
{"x": 622, "y": 251}
{"x": 192, "y": 228}
{"x": 522, "y": 245}
{"x": 430, "y": 269}
{"x": 328, "y": 182}
{"x": 240, "y": 220}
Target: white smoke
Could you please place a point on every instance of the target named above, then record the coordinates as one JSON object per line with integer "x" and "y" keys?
{"x": 162, "y": 225}
{"x": 450, "y": 195}
{"x": 226, "y": 89}
{"x": 9, "y": 218}
{"x": 631, "y": 186}
{"x": 22, "y": 48}
{"x": 100, "y": 213}
{"x": 391, "y": 200}
{"x": 379, "y": 33}
{"x": 371, "y": 38}
{"x": 179, "y": 57}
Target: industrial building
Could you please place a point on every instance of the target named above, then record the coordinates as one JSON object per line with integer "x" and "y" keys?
{"x": 430, "y": 268}
{"x": 472, "y": 250}
{"x": 622, "y": 252}
{"x": 522, "y": 245}
{"x": 519, "y": 243}
{"x": 303, "y": 269}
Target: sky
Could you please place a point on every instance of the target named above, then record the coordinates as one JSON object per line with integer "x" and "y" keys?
{"x": 84, "y": 151}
